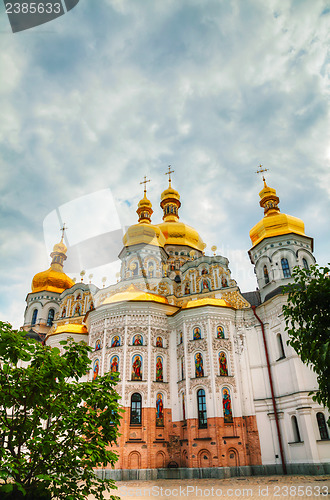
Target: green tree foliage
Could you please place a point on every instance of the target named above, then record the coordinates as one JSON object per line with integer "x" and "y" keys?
{"x": 307, "y": 317}
{"x": 54, "y": 429}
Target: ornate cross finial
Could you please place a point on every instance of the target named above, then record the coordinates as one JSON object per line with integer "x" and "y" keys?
{"x": 261, "y": 170}
{"x": 169, "y": 173}
{"x": 145, "y": 184}
{"x": 63, "y": 229}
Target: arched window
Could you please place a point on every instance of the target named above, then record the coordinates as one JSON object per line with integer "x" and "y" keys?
{"x": 280, "y": 347}
{"x": 295, "y": 429}
{"x": 285, "y": 268}
{"x": 201, "y": 407}
{"x": 134, "y": 267}
{"x": 34, "y": 317}
{"x": 324, "y": 434}
{"x": 136, "y": 409}
{"x": 50, "y": 319}
{"x": 306, "y": 266}
{"x": 266, "y": 275}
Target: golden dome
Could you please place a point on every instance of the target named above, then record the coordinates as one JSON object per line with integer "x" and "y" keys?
{"x": 71, "y": 328}
{"x": 144, "y": 233}
{"x": 170, "y": 193}
{"x": 144, "y": 202}
{"x": 60, "y": 247}
{"x": 206, "y": 301}
{"x": 178, "y": 233}
{"x": 134, "y": 294}
{"x": 51, "y": 281}
{"x": 54, "y": 279}
{"x": 274, "y": 223}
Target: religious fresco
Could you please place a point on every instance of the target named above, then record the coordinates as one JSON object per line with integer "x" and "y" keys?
{"x": 199, "y": 369}
{"x": 181, "y": 337}
{"x": 223, "y": 364}
{"x": 137, "y": 367}
{"x": 96, "y": 369}
{"x": 159, "y": 411}
{"x": 183, "y": 407}
{"x": 226, "y": 403}
{"x": 159, "y": 342}
{"x": 159, "y": 369}
{"x": 115, "y": 341}
{"x": 197, "y": 333}
{"x": 187, "y": 289}
{"x": 224, "y": 282}
{"x": 114, "y": 364}
{"x": 220, "y": 332}
{"x": 205, "y": 285}
{"x": 137, "y": 339}
{"x": 98, "y": 345}
{"x": 77, "y": 310}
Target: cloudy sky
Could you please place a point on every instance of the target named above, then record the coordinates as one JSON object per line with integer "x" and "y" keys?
{"x": 118, "y": 89}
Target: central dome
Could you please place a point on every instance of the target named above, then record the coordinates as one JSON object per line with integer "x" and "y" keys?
{"x": 179, "y": 233}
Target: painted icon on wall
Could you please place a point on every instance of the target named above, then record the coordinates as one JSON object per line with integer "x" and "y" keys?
{"x": 96, "y": 369}
{"x": 224, "y": 282}
{"x": 199, "y": 369}
{"x": 159, "y": 342}
{"x": 137, "y": 367}
{"x": 114, "y": 364}
{"x": 223, "y": 364}
{"x": 220, "y": 332}
{"x": 159, "y": 369}
{"x": 197, "y": 333}
{"x": 138, "y": 339}
{"x": 226, "y": 403}
{"x": 98, "y": 345}
{"x": 159, "y": 411}
{"x": 115, "y": 341}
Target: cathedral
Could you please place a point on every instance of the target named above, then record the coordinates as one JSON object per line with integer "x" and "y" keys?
{"x": 206, "y": 377}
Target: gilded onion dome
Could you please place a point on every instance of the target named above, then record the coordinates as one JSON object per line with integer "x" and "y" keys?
{"x": 54, "y": 279}
{"x": 274, "y": 223}
{"x": 144, "y": 232}
{"x": 175, "y": 232}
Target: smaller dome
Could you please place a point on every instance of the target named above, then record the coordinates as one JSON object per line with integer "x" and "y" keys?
{"x": 206, "y": 301}
{"x": 134, "y": 294}
{"x": 60, "y": 247}
{"x": 51, "y": 281}
{"x": 145, "y": 202}
{"x": 71, "y": 328}
{"x": 170, "y": 193}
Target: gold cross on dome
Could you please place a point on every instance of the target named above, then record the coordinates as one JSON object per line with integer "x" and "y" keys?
{"x": 261, "y": 170}
{"x": 145, "y": 183}
{"x": 169, "y": 173}
{"x": 63, "y": 230}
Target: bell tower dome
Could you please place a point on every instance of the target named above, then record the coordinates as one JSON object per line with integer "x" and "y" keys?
{"x": 279, "y": 244}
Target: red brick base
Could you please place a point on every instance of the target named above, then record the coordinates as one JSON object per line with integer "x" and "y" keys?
{"x": 220, "y": 445}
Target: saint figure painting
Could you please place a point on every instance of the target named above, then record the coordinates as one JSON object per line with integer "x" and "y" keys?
{"x": 137, "y": 367}
{"x": 226, "y": 403}
{"x": 159, "y": 411}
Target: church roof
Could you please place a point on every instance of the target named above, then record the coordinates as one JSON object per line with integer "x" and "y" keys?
{"x": 132, "y": 293}
{"x": 206, "y": 301}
